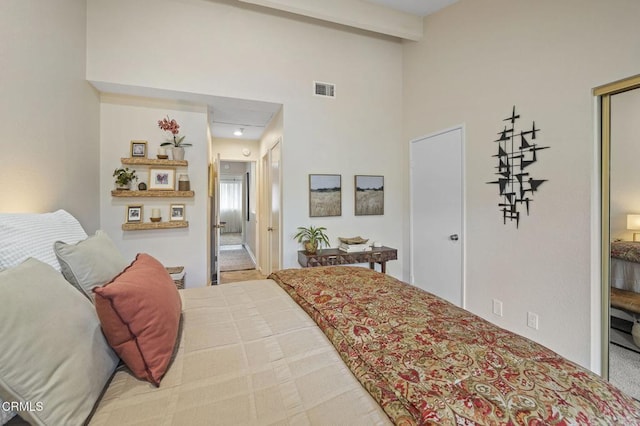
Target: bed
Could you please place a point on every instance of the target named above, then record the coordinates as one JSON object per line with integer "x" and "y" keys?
{"x": 427, "y": 361}
{"x": 625, "y": 282}
{"x": 317, "y": 346}
{"x": 625, "y": 265}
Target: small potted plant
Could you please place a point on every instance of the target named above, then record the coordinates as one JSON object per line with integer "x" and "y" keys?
{"x": 176, "y": 142}
{"x": 312, "y": 237}
{"x": 124, "y": 177}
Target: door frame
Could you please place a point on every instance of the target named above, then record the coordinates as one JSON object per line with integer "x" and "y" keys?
{"x": 265, "y": 258}
{"x": 214, "y": 217}
{"x": 278, "y": 233}
{"x": 602, "y": 96}
{"x": 463, "y": 204}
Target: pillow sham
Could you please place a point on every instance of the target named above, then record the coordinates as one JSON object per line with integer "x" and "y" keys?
{"x": 140, "y": 315}
{"x": 5, "y": 416}
{"x": 54, "y": 356}
{"x": 24, "y": 235}
{"x": 90, "y": 263}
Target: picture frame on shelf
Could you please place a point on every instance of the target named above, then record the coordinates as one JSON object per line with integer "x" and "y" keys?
{"x": 176, "y": 212}
{"x": 134, "y": 214}
{"x": 325, "y": 195}
{"x": 369, "y": 195}
{"x": 162, "y": 179}
{"x": 138, "y": 149}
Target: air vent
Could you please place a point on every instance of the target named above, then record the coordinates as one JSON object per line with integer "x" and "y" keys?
{"x": 324, "y": 89}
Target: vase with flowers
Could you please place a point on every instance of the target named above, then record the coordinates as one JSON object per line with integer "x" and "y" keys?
{"x": 176, "y": 142}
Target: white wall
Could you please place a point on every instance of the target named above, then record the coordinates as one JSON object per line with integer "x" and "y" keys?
{"x": 625, "y": 155}
{"x": 478, "y": 58}
{"x": 48, "y": 112}
{"x": 124, "y": 119}
{"x": 228, "y": 49}
{"x": 231, "y": 149}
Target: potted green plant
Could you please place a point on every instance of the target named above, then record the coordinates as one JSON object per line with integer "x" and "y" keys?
{"x": 124, "y": 177}
{"x": 312, "y": 237}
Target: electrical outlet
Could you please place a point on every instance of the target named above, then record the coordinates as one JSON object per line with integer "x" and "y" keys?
{"x": 532, "y": 320}
{"x": 497, "y": 307}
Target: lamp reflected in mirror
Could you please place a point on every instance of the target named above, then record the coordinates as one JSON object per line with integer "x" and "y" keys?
{"x": 633, "y": 224}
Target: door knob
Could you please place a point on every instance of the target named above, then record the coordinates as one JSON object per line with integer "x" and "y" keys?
{"x": 269, "y": 229}
{"x": 453, "y": 237}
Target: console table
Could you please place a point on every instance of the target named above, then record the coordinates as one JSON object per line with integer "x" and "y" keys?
{"x": 334, "y": 256}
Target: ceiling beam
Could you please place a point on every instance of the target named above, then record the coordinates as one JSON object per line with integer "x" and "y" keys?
{"x": 353, "y": 13}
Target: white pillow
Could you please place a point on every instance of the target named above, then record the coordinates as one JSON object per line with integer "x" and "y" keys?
{"x": 54, "y": 354}
{"x": 24, "y": 235}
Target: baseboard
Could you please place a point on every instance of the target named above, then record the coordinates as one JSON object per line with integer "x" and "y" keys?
{"x": 251, "y": 255}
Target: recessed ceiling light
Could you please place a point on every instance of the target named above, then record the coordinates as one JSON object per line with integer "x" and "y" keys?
{"x": 239, "y": 132}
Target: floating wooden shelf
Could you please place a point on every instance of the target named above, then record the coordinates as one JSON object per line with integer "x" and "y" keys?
{"x": 154, "y": 225}
{"x": 148, "y": 194}
{"x": 140, "y": 226}
{"x": 153, "y": 162}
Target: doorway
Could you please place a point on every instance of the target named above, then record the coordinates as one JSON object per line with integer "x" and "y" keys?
{"x": 619, "y": 106}
{"x": 237, "y": 226}
{"x": 436, "y": 197}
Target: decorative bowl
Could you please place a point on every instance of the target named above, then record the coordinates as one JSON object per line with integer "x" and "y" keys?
{"x": 162, "y": 157}
{"x": 156, "y": 219}
{"x": 353, "y": 240}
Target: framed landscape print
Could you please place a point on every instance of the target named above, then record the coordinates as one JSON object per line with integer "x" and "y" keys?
{"x": 369, "y": 195}
{"x": 325, "y": 195}
{"x": 162, "y": 179}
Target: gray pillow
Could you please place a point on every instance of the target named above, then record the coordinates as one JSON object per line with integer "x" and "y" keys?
{"x": 54, "y": 356}
{"x": 90, "y": 263}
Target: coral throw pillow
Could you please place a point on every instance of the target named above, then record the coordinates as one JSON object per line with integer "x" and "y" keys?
{"x": 139, "y": 312}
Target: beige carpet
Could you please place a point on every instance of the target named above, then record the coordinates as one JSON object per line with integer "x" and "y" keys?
{"x": 624, "y": 358}
{"x": 624, "y": 370}
{"x": 235, "y": 260}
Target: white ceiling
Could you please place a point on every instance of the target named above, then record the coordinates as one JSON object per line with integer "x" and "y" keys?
{"x": 415, "y": 7}
{"x": 250, "y": 116}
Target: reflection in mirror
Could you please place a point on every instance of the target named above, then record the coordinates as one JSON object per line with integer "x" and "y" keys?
{"x": 624, "y": 226}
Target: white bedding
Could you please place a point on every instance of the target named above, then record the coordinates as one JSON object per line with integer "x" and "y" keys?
{"x": 25, "y": 235}
{"x": 248, "y": 355}
{"x": 625, "y": 275}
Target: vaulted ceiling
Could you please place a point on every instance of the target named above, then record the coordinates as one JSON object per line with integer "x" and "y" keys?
{"x": 391, "y": 17}
{"x": 397, "y": 18}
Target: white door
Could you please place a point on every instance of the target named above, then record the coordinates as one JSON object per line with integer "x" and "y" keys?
{"x": 215, "y": 179}
{"x": 274, "y": 216}
{"x": 437, "y": 214}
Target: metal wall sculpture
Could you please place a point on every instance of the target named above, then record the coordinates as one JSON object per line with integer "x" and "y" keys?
{"x": 517, "y": 151}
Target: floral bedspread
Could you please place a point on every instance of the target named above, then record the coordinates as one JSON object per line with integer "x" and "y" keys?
{"x": 427, "y": 361}
{"x": 626, "y": 250}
